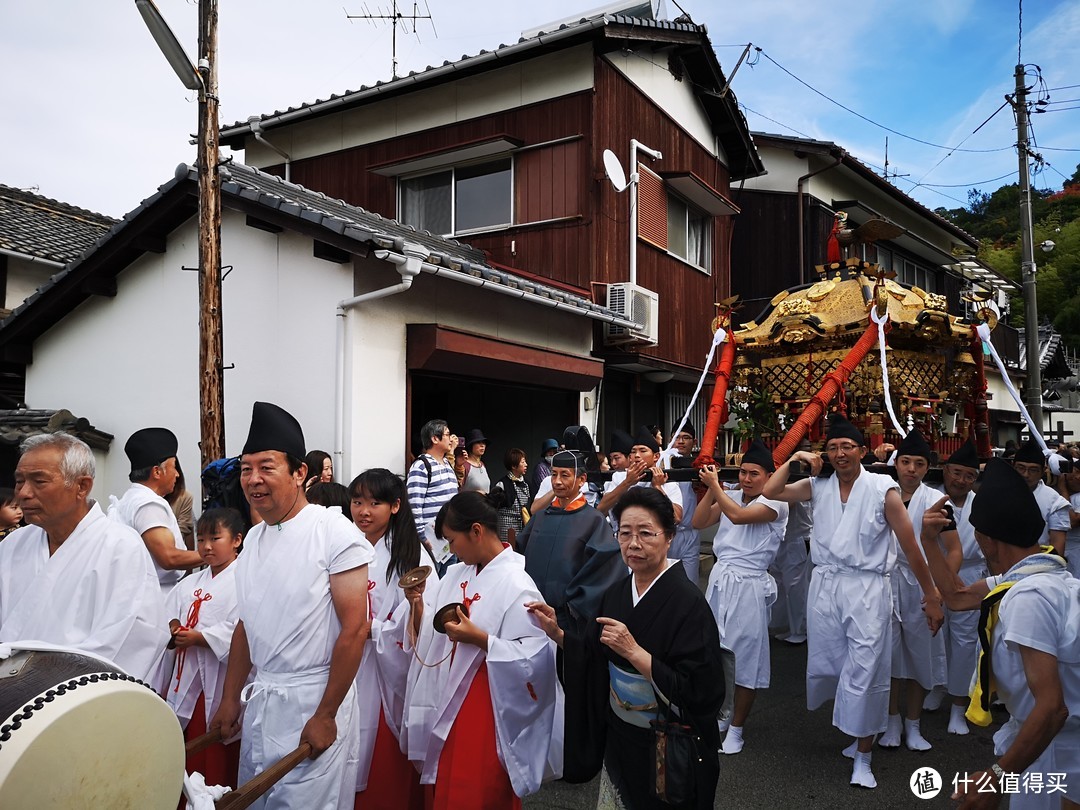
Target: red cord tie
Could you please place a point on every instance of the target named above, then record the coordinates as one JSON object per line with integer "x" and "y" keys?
{"x": 371, "y": 609}
{"x": 465, "y": 600}
{"x": 192, "y": 620}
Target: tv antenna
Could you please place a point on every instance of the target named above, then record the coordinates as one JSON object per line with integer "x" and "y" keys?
{"x": 889, "y": 175}
{"x": 397, "y": 18}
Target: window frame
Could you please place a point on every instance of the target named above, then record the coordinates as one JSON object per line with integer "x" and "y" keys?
{"x": 708, "y": 226}
{"x": 453, "y": 169}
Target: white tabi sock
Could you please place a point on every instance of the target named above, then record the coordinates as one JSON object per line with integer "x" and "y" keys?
{"x": 957, "y": 721}
{"x": 861, "y": 775}
{"x": 934, "y": 699}
{"x": 913, "y": 738}
{"x": 851, "y": 750}
{"x": 723, "y": 723}
{"x": 891, "y": 737}
{"x": 733, "y": 742}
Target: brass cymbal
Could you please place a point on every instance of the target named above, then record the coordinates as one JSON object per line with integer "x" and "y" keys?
{"x": 410, "y": 579}
{"x": 448, "y": 613}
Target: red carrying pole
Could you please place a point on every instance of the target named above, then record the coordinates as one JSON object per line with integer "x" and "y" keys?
{"x": 834, "y": 381}
{"x": 718, "y": 406}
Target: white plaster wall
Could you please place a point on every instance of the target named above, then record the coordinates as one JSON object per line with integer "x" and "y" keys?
{"x": 784, "y": 171}
{"x": 132, "y": 361}
{"x": 545, "y": 77}
{"x": 23, "y": 278}
{"x": 647, "y": 70}
{"x": 375, "y": 406}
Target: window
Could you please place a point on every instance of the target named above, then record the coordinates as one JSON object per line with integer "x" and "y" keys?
{"x": 688, "y": 232}
{"x": 465, "y": 198}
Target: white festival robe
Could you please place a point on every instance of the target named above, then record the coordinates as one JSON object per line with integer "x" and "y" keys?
{"x": 1042, "y": 612}
{"x": 961, "y": 628}
{"x": 1072, "y": 539}
{"x": 1055, "y": 511}
{"x": 791, "y": 570}
{"x": 126, "y": 510}
{"x": 526, "y": 697}
{"x": 849, "y": 633}
{"x": 204, "y": 667}
{"x": 283, "y": 593}
{"x": 97, "y": 593}
{"x": 384, "y": 669}
{"x": 741, "y": 591}
{"x": 916, "y": 653}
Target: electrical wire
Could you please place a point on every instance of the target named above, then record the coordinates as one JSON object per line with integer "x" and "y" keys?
{"x": 875, "y": 123}
{"x": 951, "y": 152}
{"x": 774, "y": 121}
{"x": 967, "y": 185}
{"x": 1063, "y": 87}
{"x": 1060, "y": 109}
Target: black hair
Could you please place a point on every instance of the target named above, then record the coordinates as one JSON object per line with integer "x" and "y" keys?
{"x": 221, "y": 517}
{"x": 466, "y": 508}
{"x": 433, "y": 429}
{"x": 7, "y": 496}
{"x": 314, "y": 460}
{"x": 330, "y": 493}
{"x": 381, "y": 485}
{"x": 654, "y": 501}
{"x": 513, "y": 457}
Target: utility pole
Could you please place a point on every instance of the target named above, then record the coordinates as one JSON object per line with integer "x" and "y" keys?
{"x": 1033, "y": 389}
{"x": 211, "y": 362}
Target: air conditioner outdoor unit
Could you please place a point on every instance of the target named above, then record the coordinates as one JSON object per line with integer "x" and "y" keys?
{"x": 635, "y": 304}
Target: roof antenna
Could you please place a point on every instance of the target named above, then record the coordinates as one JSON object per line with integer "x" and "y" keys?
{"x": 396, "y": 18}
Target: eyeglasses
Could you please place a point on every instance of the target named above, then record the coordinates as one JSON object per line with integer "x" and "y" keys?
{"x": 644, "y": 536}
{"x": 841, "y": 448}
{"x": 964, "y": 477}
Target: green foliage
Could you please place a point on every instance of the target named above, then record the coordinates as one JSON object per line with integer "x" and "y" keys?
{"x": 754, "y": 411}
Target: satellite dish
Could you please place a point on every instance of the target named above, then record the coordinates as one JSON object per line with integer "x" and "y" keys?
{"x": 614, "y": 170}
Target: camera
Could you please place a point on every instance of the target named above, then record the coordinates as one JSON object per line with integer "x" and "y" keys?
{"x": 951, "y": 526}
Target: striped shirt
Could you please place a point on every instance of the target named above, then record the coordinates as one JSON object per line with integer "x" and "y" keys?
{"x": 429, "y": 491}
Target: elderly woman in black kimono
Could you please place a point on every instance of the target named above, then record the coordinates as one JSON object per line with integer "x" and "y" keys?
{"x": 655, "y": 652}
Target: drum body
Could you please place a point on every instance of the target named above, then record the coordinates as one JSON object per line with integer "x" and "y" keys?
{"x": 78, "y": 733}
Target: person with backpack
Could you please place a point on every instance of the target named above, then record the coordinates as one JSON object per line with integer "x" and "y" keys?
{"x": 431, "y": 482}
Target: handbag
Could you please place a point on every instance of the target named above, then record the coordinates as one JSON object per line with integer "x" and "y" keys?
{"x": 677, "y": 758}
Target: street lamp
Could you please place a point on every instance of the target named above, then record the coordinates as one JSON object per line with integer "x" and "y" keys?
{"x": 204, "y": 80}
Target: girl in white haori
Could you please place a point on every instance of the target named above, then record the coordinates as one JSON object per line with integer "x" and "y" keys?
{"x": 483, "y": 711}
{"x": 380, "y": 508}
{"x": 202, "y": 613}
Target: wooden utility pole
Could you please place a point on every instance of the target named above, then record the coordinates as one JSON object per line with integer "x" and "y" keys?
{"x": 1033, "y": 389}
{"x": 211, "y": 362}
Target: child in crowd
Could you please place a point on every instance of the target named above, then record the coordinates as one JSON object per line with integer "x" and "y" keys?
{"x": 11, "y": 517}
{"x": 380, "y": 509}
{"x": 205, "y": 613}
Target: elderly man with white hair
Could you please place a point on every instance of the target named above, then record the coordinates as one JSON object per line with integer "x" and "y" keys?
{"x": 74, "y": 578}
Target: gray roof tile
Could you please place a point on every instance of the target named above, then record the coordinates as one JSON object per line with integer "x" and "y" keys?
{"x": 43, "y": 228}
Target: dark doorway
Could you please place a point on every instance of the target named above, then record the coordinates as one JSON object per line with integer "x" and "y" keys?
{"x": 510, "y": 415}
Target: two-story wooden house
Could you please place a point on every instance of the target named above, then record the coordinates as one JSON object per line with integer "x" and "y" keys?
{"x": 504, "y": 150}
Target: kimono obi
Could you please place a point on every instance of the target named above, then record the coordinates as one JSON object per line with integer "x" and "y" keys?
{"x": 631, "y": 696}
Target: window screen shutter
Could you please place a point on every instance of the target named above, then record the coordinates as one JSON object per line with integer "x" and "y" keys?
{"x": 652, "y": 208}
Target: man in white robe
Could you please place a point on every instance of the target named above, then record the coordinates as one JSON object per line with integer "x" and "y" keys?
{"x": 152, "y": 453}
{"x": 73, "y": 578}
{"x": 856, "y": 514}
{"x": 965, "y": 558}
{"x": 1030, "y": 462}
{"x": 740, "y": 590}
{"x": 918, "y": 655}
{"x": 1031, "y": 606}
{"x": 301, "y": 587}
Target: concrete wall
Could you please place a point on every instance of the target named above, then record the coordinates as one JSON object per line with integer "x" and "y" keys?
{"x": 23, "y": 278}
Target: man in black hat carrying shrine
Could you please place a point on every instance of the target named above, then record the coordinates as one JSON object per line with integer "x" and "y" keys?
{"x": 1029, "y": 649}
{"x": 856, "y": 514}
{"x": 152, "y": 453}
{"x": 740, "y": 589}
{"x": 301, "y": 586}
{"x": 1030, "y": 462}
{"x": 918, "y": 655}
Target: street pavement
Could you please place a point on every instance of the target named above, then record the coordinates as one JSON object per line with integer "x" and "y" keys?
{"x": 792, "y": 756}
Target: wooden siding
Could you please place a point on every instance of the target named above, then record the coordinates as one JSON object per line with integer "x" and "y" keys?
{"x": 765, "y": 248}
{"x": 687, "y": 294}
{"x": 548, "y": 182}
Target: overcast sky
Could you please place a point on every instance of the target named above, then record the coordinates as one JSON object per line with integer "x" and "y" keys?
{"x": 93, "y": 115}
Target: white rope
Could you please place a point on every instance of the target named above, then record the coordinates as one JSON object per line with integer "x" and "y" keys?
{"x": 718, "y": 338}
{"x": 885, "y": 369}
{"x": 1053, "y": 458}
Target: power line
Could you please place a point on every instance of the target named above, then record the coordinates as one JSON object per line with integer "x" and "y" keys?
{"x": 1064, "y": 87}
{"x": 875, "y": 123}
{"x": 948, "y": 154}
{"x": 967, "y": 185}
{"x": 774, "y": 121}
{"x": 1060, "y": 109}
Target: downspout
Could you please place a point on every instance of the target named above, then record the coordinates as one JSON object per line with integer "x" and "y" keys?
{"x": 25, "y": 257}
{"x": 257, "y": 130}
{"x": 802, "y": 224}
{"x": 409, "y": 267}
